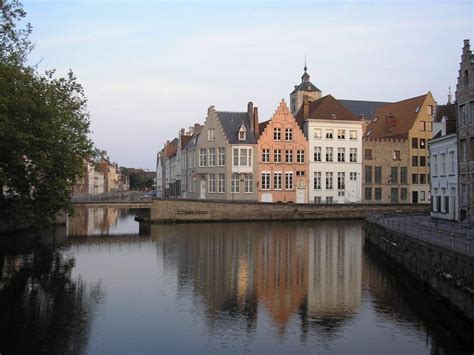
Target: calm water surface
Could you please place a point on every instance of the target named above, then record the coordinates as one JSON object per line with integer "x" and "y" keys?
{"x": 110, "y": 286}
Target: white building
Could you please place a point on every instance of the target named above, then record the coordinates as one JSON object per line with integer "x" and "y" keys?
{"x": 444, "y": 165}
{"x": 335, "y": 150}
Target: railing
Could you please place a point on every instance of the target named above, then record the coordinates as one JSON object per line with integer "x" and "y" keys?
{"x": 449, "y": 235}
{"x": 115, "y": 196}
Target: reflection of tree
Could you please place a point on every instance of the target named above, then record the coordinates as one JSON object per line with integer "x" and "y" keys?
{"x": 43, "y": 309}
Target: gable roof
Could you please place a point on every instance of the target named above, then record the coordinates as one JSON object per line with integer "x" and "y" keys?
{"x": 363, "y": 109}
{"x": 305, "y": 86}
{"x": 325, "y": 108}
{"x": 396, "y": 119}
{"x": 185, "y": 140}
{"x": 231, "y": 122}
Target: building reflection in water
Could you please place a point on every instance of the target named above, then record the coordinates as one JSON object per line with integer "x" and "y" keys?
{"x": 93, "y": 221}
{"x": 287, "y": 268}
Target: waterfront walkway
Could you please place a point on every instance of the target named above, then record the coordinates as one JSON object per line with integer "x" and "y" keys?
{"x": 447, "y": 234}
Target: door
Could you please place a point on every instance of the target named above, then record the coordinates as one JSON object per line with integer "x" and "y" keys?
{"x": 414, "y": 197}
{"x": 300, "y": 193}
{"x": 394, "y": 195}
{"x": 203, "y": 189}
{"x": 267, "y": 197}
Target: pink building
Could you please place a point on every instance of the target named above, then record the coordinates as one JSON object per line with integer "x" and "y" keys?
{"x": 282, "y": 159}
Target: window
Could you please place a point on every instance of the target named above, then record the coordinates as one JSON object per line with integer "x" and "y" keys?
{"x": 394, "y": 175}
{"x": 317, "y": 199}
{"x": 341, "y": 153}
{"x": 221, "y": 160}
{"x": 422, "y": 143}
{"x": 289, "y": 181}
{"x": 212, "y": 156}
{"x": 368, "y": 193}
{"x": 277, "y": 155}
{"x": 422, "y": 161}
{"x": 318, "y": 133}
{"x": 341, "y": 181}
{"x": 422, "y": 178}
{"x": 288, "y": 134}
{"x": 340, "y": 193}
{"x": 353, "y": 155}
{"x": 368, "y": 154}
{"x": 353, "y": 176}
{"x": 277, "y": 133}
{"x": 403, "y": 175}
{"x": 414, "y": 178}
{"x": 368, "y": 174}
{"x": 277, "y": 180}
{"x": 464, "y": 193}
{"x": 265, "y": 155}
{"x": 414, "y": 160}
{"x": 329, "y": 134}
{"x": 242, "y": 156}
{"x": 329, "y": 153}
{"x": 403, "y": 194}
{"x": 452, "y": 162}
{"x": 236, "y": 156}
{"x": 300, "y": 156}
{"x": 329, "y": 199}
{"x": 443, "y": 164}
{"x": 317, "y": 153}
{"x": 341, "y": 134}
{"x": 221, "y": 183}
{"x": 378, "y": 175}
{"x": 289, "y": 156}
{"x": 463, "y": 115}
{"x": 435, "y": 165}
{"x": 472, "y": 149}
{"x": 211, "y": 134}
{"x": 352, "y": 135}
{"x": 422, "y": 126}
{"x": 234, "y": 184}
{"x": 317, "y": 180}
{"x": 463, "y": 150}
{"x": 265, "y": 181}
{"x": 329, "y": 181}
{"x": 202, "y": 157}
{"x": 299, "y": 173}
{"x": 422, "y": 195}
{"x": 212, "y": 183}
{"x": 248, "y": 181}
{"x": 396, "y": 155}
{"x": 242, "y": 133}
{"x": 429, "y": 109}
{"x": 378, "y": 194}
{"x": 414, "y": 143}
{"x": 446, "y": 204}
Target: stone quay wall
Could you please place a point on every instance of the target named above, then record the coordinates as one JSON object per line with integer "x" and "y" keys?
{"x": 182, "y": 211}
{"x": 447, "y": 273}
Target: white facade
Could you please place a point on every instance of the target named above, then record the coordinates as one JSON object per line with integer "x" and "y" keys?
{"x": 335, "y": 160}
{"x": 444, "y": 177}
{"x": 159, "y": 175}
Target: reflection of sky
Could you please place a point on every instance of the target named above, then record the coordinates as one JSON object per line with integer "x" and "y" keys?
{"x": 146, "y": 310}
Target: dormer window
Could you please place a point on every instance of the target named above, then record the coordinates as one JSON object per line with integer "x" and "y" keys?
{"x": 242, "y": 133}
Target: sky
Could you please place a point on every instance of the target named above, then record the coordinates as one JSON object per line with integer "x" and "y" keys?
{"x": 150, "y": 68}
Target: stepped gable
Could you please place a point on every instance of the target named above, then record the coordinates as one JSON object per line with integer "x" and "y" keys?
{"x": 396, "y": 119}
{"x": 325, "y": 108}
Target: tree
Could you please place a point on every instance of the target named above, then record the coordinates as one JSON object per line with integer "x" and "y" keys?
{"x": 44, "y": 128}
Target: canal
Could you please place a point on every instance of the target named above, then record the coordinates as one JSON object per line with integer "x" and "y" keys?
{"x": 107, "y": 285}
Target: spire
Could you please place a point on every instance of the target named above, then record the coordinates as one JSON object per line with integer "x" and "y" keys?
{"x": 305, "y": 68}
{"x": 449, "y": 95}
{"x": 305, "y": 76}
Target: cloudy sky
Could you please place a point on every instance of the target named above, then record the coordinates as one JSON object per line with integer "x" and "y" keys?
{"x": 150, "y": 67}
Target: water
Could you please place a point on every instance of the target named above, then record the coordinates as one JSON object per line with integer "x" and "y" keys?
{"x": 114, "y": 287}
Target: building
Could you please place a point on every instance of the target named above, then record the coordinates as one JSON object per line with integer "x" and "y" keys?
{"x": 304, "y": 89}
{"x": 396, "y": 167}
{"x": 189, "y": 188}
{"x": 110, "y": 173}
{"x": 335, "y": 144}
{"x": 465, "y": 130}
{"x": 282, "y": 159}
{"x": 227, "y": 155}
{"x": 444, "y": 164}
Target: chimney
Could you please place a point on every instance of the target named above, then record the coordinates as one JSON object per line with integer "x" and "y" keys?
{"x": 181, "y": 132}
{"x": 255, "y": 122}
{"x": 250, "y": 116}
{"x": 305, "y": 107}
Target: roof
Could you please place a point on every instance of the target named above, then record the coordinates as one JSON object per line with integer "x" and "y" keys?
{"x": 325, "y": 108}
{"x": 231, "y": 123}
{"x": 263, "y": 125}
{"x": 305, "y": 86}
{"x": 192, "y": 143}
{"x": 448, "y": 110}
{"x": 394, "y": 120}
{"x": 185, "y": 140}
{"x": 171, "y": 148}
{"x": 363, "y": 109}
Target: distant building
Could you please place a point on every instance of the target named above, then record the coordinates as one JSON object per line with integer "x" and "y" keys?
{"x": 335, "y": 150}
{"x": 189, "y": 184}
{"x": 396, "y": 167}
{"x": 465, "y": 129}
{"x": 444, "y": 164}
{"x": 282, "y": 159}
{"x": 304, "y": 89}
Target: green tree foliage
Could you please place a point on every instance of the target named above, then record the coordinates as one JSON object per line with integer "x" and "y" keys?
{"x": 140, "y": 181}
{"x": 43, "y": 129}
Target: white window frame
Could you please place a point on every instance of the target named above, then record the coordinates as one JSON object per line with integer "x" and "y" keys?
{"x": 277, "y": 175}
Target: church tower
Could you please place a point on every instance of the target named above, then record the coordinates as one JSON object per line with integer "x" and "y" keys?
{"x": 306, "y": 88}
